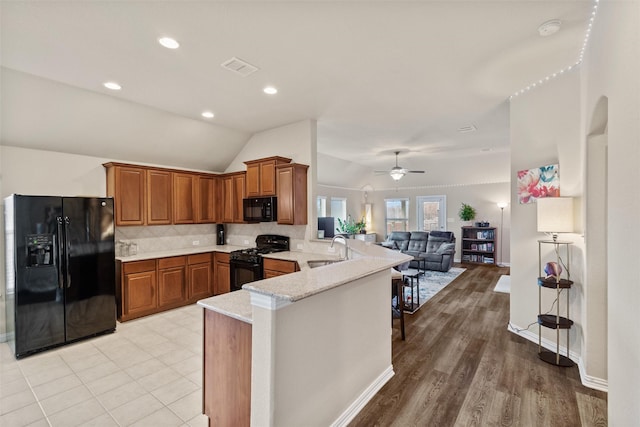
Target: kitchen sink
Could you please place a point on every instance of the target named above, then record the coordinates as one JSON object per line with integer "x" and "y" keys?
{"x": 322, "y": 262}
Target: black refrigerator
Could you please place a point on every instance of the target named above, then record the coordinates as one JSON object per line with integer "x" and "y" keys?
{"x": 60, "y": 267}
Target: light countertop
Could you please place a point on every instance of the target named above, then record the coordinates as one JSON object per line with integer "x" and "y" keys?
{"x": 179, "y": 252}
{"x": 367, "y": 259}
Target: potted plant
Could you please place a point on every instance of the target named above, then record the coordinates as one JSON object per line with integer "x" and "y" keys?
{"x": 350, "y": 226}
{"x": 466, "y": 212}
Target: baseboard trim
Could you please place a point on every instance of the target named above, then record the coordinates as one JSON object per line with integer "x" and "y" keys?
{"x": 586, "y": 380}
{"x": 347, "y": 416}
{"x": 3, "y": 337}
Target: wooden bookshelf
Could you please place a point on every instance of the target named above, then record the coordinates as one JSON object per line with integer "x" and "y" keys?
{"x": 479, "y": 245}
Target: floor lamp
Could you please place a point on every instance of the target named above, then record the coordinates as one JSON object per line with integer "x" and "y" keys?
{"x": 501, "y": 205}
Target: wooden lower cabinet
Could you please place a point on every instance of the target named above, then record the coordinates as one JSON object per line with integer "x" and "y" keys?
{"x": 199, "y": 276}
{"x": 278, "y": 267}
{"x": 138, "y": 294}
{"x": 226, "y": 388}
{"x": 150, "y": 286}
{"x": 172, "y": 291}
{"x": 222, "y": 281}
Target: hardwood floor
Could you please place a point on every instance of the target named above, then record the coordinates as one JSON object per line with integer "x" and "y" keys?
{"x": 459, "y": 366}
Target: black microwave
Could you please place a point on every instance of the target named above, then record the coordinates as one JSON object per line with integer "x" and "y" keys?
{"x": 260, "y": 209}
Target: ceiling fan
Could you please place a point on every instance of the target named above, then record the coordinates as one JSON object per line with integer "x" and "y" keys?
{"x": 397, "y": 172}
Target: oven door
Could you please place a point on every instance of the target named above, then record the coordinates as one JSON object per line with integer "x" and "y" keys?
{"x": 244, "y": 272}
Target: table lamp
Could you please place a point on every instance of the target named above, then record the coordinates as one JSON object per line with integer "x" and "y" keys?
{"x": 555, "y": 215}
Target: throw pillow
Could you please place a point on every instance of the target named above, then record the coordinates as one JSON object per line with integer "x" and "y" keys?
{"x": 445, "y": 248}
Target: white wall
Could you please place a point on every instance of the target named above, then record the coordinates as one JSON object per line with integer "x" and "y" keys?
{"x": 546, "y": 129}
{"x": 296, "y": 141}
{"x": 613, "y": 67}
{"x": 314, "y": 358}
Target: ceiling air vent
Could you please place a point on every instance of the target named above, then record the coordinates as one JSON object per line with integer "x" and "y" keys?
{"x": 467, "y": 129}
{"x": 240, "y": 67}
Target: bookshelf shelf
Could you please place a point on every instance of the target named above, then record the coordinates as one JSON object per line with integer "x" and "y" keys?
{"x": 479, "y": 245}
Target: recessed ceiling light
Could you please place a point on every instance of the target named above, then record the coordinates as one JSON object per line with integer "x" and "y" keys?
{"x": 549, "y": 27}
{"x": 112, "y": 85}
{"x": 168, "y": 42}
{"x": 270, "y": 90}
{"x": 207, "y": 114}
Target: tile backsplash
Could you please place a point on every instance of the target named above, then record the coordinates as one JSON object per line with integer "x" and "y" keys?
{"x": 159, "y": 238}
{"x": 167, "y": 237}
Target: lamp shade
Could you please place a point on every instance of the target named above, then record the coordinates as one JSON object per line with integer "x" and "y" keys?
{"x": 555, "y": 214}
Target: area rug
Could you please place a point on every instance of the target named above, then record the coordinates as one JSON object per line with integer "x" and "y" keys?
{"x": 504, "y": 284}
{"x": 430, "y": 284}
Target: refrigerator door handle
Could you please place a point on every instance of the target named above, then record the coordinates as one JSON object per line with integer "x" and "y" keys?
{"x": 59, "y": 253}
{"x": 67, "y": 246}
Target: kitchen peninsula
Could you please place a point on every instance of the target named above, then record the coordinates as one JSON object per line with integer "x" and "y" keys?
{"x": 306, "y": 348}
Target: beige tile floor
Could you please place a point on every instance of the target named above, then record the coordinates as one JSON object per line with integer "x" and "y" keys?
{"x": 147, "y": 373}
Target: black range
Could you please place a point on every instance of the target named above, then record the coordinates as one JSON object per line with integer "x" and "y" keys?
{"x": 246, "y": 264}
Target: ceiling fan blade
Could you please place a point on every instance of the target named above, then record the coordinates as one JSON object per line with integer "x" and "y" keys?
{"x": 415, "y": 171}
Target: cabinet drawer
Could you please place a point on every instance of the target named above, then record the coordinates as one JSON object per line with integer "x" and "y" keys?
{"x": 176, "y": 261}
{"x": 280, "y": 265}
{"x": 139, "y": 266}
{"x": 199, "y": 258}
{"x": 221, "y": 257}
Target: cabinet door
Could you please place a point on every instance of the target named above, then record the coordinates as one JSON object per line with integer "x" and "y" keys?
{"x": 184, "y": 192}
{"x": 206, "y": 199}
{"x": 267, "y": 178}
{"x": 199, "y": 281}
{"x": 129, "y": 195}
{"x": 285, "y": 196}
{"x": 159, "y": 204}
{"x": 171, "y": 287}
{"x": 292, "y": 193}
{"x": 239, "y": 194}
{"x": 253, "y": 180}
{"x": 228, "y": 201}
{"x": 140, "y": 294}
{"x": 222, "y": 274}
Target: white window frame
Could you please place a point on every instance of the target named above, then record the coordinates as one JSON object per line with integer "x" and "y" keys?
{"x": 408, "y": 212}
{"x": 321, "y": 204}
{"x": 334, "y": 214}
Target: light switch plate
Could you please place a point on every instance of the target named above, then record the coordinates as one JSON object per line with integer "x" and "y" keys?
{"x": 196, "y": 242}
{"x": 299, "y": 246}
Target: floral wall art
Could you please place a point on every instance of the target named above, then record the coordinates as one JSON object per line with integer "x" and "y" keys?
{"x": 538, "y": 182}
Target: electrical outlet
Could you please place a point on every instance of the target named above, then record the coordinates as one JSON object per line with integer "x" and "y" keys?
{"x": 332, "y": 250}
{"x": 299, "y": 246}
{"x": 196, "y": 242}
{"x": 246, "y": 242}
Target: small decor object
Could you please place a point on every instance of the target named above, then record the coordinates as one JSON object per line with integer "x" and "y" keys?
{"x": 552, "y": 270}
{"x": 350, "y": 226}
{"x": 466, "y": 212}
{"x": 537, "y": 183}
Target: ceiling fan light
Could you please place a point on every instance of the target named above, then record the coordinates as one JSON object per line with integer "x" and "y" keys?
{"x": 396, "y": 174}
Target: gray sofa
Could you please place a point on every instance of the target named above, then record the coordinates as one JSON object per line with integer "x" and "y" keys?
{"x": 435, "y": 248}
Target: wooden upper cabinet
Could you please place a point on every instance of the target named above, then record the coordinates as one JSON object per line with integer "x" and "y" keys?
{"x": 206, "y": 202}
{"x": 239, "y": 182}
{"x": 261, "y": 176}
{"x": 126, "y": 184}
{"x": 233, "y": 191}
{"x": 184, "y": 199}
{"x": 292, "y": 193}
{"x": 159, "y": 200}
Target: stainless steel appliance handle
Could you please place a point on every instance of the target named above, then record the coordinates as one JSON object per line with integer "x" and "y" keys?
{"x": 59, "y": 252}
{"x": 66, "y": 250}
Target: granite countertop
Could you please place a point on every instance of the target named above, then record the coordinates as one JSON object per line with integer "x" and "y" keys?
{"x": 233, "y": 304}
{"x": 367, "y": 259}
{"x": 178, "y": 252}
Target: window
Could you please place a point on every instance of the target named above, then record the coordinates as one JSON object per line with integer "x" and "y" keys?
{"x": 396, "y": 215}
{"x": 322, "y": 206}
{"x": 339, "y": 208}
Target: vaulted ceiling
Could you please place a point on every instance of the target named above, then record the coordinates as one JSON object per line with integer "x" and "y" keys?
{"x": 377, "y": 76}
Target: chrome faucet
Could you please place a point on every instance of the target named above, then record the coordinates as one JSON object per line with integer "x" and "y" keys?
{"x": 346, "y": 244}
